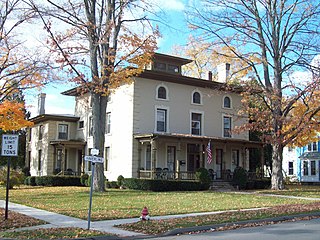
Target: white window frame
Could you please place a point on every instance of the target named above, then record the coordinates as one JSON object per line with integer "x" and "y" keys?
{"x": 108, "y": 122}
{"x": 68, "y": 130}
{"x": 201, "y": 123}
{"x": 167, "y": 92}
{"x": 227, "y": 96}
{"x": 107, "y": 157}
{"x": 201, "y": 99}
{"x": 231, "y": 124}
{"x": 156, "y": 118}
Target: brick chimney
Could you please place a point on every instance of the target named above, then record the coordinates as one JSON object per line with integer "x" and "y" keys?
{"x": 210, "y": 76}
{"x": 223, "y": 72}
{"x": 41, "y": 103}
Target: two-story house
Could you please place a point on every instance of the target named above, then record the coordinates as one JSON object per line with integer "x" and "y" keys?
{"x": 160, "y": 125}
{"x": 302, "y": 164}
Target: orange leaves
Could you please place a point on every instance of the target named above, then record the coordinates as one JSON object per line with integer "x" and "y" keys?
{"x": 12, "y": 116}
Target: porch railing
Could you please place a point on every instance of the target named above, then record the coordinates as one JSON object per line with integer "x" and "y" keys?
{"x": 188, "y": 175}
{"x": 164, "y": 174}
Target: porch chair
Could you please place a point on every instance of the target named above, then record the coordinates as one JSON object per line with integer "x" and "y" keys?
{"x": 164, "y": 174}
{"x": 212, "y": 174}
{"x": 158, "y": 172}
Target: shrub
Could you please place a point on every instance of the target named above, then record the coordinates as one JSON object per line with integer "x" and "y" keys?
{"x": 120, "y": 180}
{"x": 164, "y": 185}
{"x": 112, "y": 184}
{"x": 16, "y": 177}
{"x": 202, "y": 175}
{"x": 84, "y": 179}
{"x": 31, "y": 181}
{"x": 240, "y": 177}
{"x": 53, "y": 181}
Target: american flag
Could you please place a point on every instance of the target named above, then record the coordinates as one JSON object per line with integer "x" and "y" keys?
{"x": 209, "y": 153}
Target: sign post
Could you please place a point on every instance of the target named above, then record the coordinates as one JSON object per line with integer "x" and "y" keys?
{"x": 9, "y": 148}
{"x": 93, "y": 160}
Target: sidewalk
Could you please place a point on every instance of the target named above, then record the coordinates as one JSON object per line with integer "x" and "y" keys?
{"x": 56, "y": 220}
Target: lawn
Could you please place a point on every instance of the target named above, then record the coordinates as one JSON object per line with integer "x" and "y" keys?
{"x": 297, "y": 190}
{"x": 113, "y": 204}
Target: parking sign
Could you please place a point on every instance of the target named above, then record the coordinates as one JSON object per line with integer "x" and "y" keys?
{"x": 9, "y": 145}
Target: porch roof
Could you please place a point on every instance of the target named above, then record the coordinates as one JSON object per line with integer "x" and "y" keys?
{"x": 310, "y": 155}
{"x": 69, "y": 143}
{"x": 147, "y": 136}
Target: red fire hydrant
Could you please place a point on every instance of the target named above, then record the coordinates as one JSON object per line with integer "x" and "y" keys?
{"x": 145, "y": 214}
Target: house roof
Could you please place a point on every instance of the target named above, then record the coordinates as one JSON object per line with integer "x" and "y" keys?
{"x": 147, "y": 136}
{"x": 56, "y": 117}
{"x": 174, "y": 78}
{"x": 310, "y": 155}
{"x": 173, "y": 59}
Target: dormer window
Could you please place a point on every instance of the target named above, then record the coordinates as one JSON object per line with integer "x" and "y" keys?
{"x": 173, "y": 68}
{"x": 227, "y": 102}
{"x": 196, "y": 98}
{"x": 160, "y": 66}
{"x": 162, "y": 93}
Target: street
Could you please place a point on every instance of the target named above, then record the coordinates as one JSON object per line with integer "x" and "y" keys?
{"x": 306, "y": 230}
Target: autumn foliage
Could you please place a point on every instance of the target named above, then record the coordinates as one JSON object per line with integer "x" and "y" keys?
{"x": 12, "y": 116}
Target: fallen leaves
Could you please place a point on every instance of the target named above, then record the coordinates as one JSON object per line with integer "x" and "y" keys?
{"x": 17, "y": 220}
{"x": 162, "y": 226}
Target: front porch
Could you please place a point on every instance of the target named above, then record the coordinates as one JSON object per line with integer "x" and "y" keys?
{"x": 178, "y": 156}
{"x": 165, "y": 174}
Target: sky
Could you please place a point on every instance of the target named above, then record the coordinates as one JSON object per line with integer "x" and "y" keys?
{"x": 57, "y": 103}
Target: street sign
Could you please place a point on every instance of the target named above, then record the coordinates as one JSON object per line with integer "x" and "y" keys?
{"x": 9, "y": 145}
{"x": 94, "y": 151}
{"x": 93, "y": 159}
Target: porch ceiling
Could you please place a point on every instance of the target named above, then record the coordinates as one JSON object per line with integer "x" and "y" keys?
{"x": 68, "y": 143}
{"x": 310, "y": 155}
{"x": 148, "y": 136}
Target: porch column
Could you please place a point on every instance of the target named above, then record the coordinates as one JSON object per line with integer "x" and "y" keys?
{"x": 153, "y": 154}
{"x": 262, "y": 162}
{"x": 178, "y": 157}
{"x": 139, "y": 158}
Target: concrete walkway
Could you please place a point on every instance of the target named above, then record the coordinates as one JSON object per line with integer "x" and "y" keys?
{"x": 56, "y": 220}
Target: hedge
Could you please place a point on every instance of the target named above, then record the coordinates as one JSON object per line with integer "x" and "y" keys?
{"x": 164, "y": 185}
{"x": 53, "y": 181}
{"x": 258, "y": 184}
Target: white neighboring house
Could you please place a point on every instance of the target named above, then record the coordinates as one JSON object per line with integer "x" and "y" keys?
{"x": 302, "y": 164}
{"x": 157, "y": 127}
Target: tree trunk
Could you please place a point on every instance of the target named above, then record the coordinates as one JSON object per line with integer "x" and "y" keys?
{"x": 99, "y": 105}
{"x": 277, "y": 176}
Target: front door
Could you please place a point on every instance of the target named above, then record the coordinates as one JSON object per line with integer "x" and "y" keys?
{"x": 219, "y": 156}
{"x": 193, "y": 160}
{"x": 171, "y": 158}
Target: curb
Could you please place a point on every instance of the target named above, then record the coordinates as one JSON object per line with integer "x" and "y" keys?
{"x": 240, "y": 223}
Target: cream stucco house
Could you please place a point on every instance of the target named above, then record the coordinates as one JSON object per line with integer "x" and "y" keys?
{"x": 157, "y": 127}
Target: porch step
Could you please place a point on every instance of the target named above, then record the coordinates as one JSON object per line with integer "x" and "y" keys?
{"x": 221, "y": 186}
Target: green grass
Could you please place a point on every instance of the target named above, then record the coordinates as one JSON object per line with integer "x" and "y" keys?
{"x": 52, "y": 233}
{"x": 162, "y": 226}
{"x": 113, "y": 204}
{"x": 297, "y": 190}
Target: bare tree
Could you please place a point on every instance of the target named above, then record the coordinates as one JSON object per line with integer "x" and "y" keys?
{"x": 104, "y": 44}
{"x": 275, "y": 38}
{"x": 20, "y": 69}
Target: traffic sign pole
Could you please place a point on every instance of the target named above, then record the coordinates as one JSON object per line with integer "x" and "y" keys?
{"x": 7, "y": 190}
{"x": 91, "y": 189}
{"x": 9, "y": 148}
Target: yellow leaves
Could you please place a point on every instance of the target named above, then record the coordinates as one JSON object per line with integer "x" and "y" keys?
{"x": 12, "y": 116}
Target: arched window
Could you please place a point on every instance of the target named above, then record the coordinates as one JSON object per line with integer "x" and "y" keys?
{"x": 196, "y": 98}
{"x": 162, "y": 92}
{"x": 227, "y": 102}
